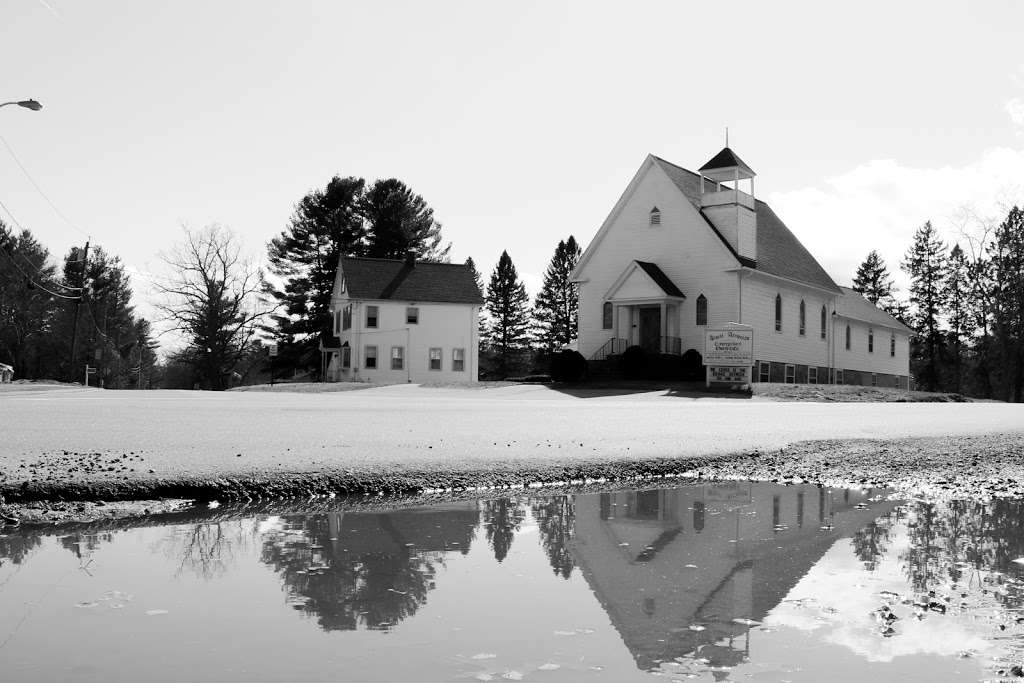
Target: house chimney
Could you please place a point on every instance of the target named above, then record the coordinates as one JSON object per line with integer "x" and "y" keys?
{"x": 410, "y": 259}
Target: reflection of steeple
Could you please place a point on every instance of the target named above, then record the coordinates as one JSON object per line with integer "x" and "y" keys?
{"x": 366, "y": 569}
{"x": 662, "y": 561}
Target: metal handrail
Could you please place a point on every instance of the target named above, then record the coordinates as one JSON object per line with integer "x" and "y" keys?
{"x": 613, "y": 346}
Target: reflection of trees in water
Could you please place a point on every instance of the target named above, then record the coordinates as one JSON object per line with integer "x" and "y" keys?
{"x": 208, "y": 549}
{"x": 951, "y": 542}
{"x": 82, "y": 544}
{"x": 556, "y": 518}
{"x": 370, "y": 570}
{"x": 501, "y": 519}
{"x": 16, "y": 547}
{"x": 871, "y": 542}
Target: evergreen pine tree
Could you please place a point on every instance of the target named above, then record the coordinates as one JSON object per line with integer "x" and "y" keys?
{"x": 556, "y": 308}
{"x": 1006, "y": 255}
{"x": 508, "y": 326}
{"x": 874, "y": 282}
{"x": 956, "y": 292}
{"x": 398, "y": 221}
{"x": 481, "y": 328}
{"x": 325, "y": 226}
{"x": 926, "y": 264}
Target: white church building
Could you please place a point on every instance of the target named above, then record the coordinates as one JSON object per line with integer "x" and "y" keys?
{"x": 683, "y": 250}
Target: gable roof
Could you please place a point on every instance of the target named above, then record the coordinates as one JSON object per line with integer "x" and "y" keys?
{"x": 371, "y": 278}
{"x": 660, "y": 279}
{"x": 779, "y": 252}
{"x": 852, "y": 304}
{"x": 726, "y": 159}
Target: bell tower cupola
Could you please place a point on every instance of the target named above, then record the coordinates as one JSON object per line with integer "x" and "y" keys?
{"x": 730, "y": 209}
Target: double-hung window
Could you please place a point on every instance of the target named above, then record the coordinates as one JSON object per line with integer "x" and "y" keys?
{"x": 790, "y": 374}
{"x": 397, "y": 357}
{"x": 370, "y": 357}
{"x": 372, "y": 313}
{"x": 812, "y": 375}
{"x": 458, "y": 360}
{"x": 435, "y": 359}
{"x": 346, "y": 317}
{"x": 764, "y": 372}
{"x": 412, "y": 315}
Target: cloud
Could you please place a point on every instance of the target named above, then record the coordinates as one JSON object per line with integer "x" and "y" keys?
{"x": 1015, "y": 108}
{"x": 881, "y": 203}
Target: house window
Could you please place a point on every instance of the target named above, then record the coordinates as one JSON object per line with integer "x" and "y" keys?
{"x": 337, "y": 322}
{"x": 764, "y": 372}
{"x": 824, "y": 319}
{"x": 702, "y": 310}
{"x": 346, "y": 356}
{"x": 847, "y": 337}
{"x": 839, "y": 377}
{"x": 371, "y": 316}
{"x": 874, "y": 380}
{"x": 397, "y": 357}
{"x": 871, "y": 341}
{"x": 606, "y": 316}
{"x": 435, "y": 359}
{"x": 458, "y": 360}
{"x": 412, "y": 315}
{"x": 812, "y": 375}
{"x": 370, "y": 361}
{"x": 892, "y": 344}
{"x": 778, "y": 313}
{"x": 803, "y": 318}
{"x": 346, "y": 317}
{"x": 790, "y": 374}
{"x": 655, "y": 217}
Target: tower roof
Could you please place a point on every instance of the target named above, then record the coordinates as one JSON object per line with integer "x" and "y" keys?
{"x": 727, "y": 159}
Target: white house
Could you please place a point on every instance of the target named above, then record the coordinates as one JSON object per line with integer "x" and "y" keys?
{"x": 404, "y": 321}
{"x": 682, "y": 251}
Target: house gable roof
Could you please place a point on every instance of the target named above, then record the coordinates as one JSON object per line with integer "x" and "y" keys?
{"x": 421, "y": 281}
{"x": 660, "y": 279}
{"x": 779, "y": 252}
{"x": 852, "y": 304}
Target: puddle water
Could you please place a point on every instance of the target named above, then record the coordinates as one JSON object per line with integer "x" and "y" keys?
{"x": 718, "y": 582}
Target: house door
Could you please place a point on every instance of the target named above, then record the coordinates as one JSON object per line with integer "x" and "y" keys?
{"x": 650, "y": 329}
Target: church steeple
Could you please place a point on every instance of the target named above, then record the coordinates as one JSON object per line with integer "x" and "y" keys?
{"x": 731, "y": 210}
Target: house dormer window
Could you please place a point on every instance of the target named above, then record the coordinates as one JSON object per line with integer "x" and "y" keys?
{"x": 654, "y": 218}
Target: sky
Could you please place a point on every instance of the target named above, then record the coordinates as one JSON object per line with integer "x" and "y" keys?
{"x": 519, "y": 123}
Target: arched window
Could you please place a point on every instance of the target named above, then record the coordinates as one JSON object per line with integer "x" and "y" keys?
{"x": 654, "y": 217}
{"x": 871, "y": 340}
{"x": 803, "y": 318}
{"x": 847, "y": 337}
{"x": 892, "y": 344}
{"x": 702, "y": 310}
{"x": 824, "y": 319}
{"x": 606, "y": 316}
{"x": 778, "y": 313}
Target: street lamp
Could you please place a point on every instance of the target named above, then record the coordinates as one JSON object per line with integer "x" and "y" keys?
{"x": 28, "y": 104}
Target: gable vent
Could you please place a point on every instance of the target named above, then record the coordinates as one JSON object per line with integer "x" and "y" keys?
{"x": 655, "y": 217}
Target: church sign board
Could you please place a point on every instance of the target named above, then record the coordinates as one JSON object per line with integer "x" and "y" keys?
{"x": 729, "y": 354}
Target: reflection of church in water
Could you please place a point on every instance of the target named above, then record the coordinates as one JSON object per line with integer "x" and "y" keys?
{"x": 662, "y": 561}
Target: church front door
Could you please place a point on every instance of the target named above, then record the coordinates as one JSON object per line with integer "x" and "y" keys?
{"x": 650, "y": 329}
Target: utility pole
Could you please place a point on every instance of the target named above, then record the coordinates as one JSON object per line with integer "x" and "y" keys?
{"x": 78, "y": 307}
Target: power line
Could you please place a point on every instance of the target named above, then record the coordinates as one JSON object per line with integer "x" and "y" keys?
{"x": 33, "y": 282}
{"x": 39, "y": 189}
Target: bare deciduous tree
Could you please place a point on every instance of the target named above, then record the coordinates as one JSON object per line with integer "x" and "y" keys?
{"x": 209, "y": 299}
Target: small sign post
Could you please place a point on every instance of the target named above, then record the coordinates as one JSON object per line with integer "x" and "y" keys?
{"x": 729, "y": 355}
{"x": 272, "y": 351}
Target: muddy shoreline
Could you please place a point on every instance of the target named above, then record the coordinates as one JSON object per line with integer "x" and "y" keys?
{"x": 974, "y": 467}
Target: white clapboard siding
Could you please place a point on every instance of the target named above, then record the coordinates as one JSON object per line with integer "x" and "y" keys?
{"x": 859, "y": 359}
{"x": 787, "y": 346}
{"x": 683, "y": 246}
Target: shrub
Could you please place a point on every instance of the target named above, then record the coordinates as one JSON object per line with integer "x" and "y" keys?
{"x": 692, "y": 365}
{"x": 634, "y": 363}
{"x": 568, "y": 366}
